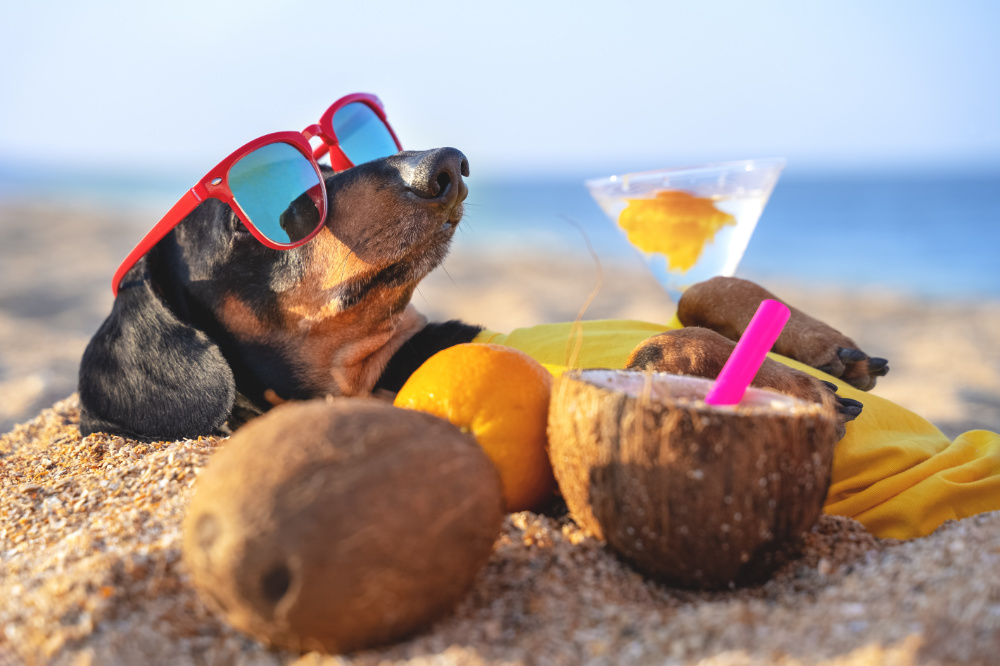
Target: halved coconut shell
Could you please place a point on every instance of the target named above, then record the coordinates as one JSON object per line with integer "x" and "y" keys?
{"x": 694, "y": 495}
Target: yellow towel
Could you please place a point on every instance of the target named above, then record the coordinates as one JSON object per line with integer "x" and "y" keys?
{"x": 893, "y": 471}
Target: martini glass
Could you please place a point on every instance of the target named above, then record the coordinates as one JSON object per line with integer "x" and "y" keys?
{"x": 690, "y": 223}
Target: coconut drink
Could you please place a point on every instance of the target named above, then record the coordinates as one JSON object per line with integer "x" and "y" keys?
{"x": 689, "y": 493}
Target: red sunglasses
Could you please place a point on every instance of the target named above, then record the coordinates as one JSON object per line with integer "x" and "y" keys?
{"x": 274, "y": 183}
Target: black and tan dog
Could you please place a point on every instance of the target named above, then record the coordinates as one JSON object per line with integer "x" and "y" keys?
{"x": 212, "y": 328}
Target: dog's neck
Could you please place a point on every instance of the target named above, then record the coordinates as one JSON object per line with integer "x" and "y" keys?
{"x": 331, "y": 351}
{"x": 359, "y": 363}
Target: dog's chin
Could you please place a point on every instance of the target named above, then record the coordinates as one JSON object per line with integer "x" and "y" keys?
{"x": 429, "y": 254}
{"x": 401, "y": 273}
{"x": 426, "y": 253}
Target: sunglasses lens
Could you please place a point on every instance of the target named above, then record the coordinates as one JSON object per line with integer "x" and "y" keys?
{"x": 362, "y": 135}
{"x": 277, "y": 187}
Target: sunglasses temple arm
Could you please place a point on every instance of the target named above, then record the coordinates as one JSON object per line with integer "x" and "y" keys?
{"x": 322, "y": 150}
{"x": 178, "y": 212}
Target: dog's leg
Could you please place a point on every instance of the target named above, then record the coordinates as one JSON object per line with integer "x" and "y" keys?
{"x": 411, "y": 355}
{"x": 702, "y": 353}
{"x": 726, "y": 305}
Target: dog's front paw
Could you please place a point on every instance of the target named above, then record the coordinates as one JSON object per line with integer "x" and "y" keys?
{"x": 692, "y": 351}
{"x": 851, "y": 365}
{"x": 726, "y": 305}
{"x": 702, "y": 353}
{"x": 847, "y": 409}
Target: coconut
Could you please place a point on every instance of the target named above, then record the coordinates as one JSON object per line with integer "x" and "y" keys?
{"x": 691, "y": 494}
{"x": 342, "y": 524}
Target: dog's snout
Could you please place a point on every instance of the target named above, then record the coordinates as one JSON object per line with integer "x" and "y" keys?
{"x": 437, "y": 174}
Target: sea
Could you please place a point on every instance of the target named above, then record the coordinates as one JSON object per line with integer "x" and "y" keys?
{"x": 920, "y": 235}
{"x": 927, "y": 235}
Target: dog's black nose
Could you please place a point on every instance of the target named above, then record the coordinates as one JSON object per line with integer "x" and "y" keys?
{"x": 436, "y": 174}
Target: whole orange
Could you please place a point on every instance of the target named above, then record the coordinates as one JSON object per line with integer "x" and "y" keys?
{"x": 500, "y": 395}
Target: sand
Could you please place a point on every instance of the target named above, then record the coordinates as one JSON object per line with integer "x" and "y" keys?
{"x": 55, "y": 289}
{"x": 90, "y": 565}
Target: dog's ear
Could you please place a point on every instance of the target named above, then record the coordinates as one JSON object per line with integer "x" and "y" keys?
{"x": 147, "y": 375}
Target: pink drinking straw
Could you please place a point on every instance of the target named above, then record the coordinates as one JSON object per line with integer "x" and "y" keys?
{"x": 746, "y": 359}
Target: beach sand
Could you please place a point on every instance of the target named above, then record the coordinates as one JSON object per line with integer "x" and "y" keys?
{"x": 90, "y": 566}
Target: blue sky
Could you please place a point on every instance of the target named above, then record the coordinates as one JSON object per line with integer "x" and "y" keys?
{"x": 521, "y": 87}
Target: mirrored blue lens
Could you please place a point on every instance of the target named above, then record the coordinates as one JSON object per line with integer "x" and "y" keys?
{"x": 275, "y": 186}
{"x": 362, "y": 135}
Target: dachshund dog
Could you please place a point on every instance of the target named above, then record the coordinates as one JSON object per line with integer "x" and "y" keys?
{"x": 212, "y": 328}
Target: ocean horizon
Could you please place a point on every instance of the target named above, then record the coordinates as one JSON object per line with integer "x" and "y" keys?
{"x": 911, "y": 232}
{"x": 931, "y": 237}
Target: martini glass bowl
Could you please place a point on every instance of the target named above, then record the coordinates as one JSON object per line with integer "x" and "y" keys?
{"x": 690, "y": 223}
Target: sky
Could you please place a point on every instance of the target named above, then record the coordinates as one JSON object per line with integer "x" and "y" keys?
{"x": 523, "y": 88}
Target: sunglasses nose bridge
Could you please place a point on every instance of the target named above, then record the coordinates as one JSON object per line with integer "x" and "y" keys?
{"x": 319, "y": 140}
{"x": 314, "y": 131}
